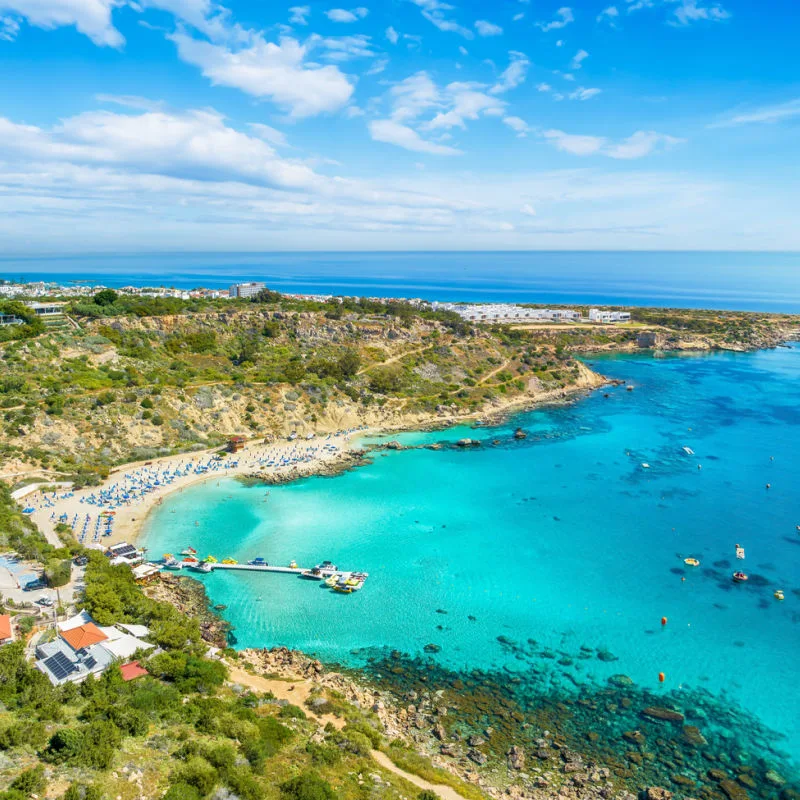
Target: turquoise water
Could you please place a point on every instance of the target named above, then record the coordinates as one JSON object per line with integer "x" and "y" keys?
{"x": 562, "y": 537}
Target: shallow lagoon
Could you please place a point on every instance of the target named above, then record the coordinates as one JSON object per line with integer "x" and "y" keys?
{"x": 562, "y": 537}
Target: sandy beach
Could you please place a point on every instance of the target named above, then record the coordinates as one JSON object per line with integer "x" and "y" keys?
{"x": 116, "y": 510}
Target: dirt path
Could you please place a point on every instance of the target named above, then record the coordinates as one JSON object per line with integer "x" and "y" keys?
{"x": 397, "y": 357}
{"x": 297, "y": 692}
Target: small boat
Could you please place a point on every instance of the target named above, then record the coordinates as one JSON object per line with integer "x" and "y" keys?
{"x": 740, "y": 577}
{"x": 201, "y": 566}
{"x": 229, "y": 561}
{"x": 778, "y": 595}
{"x": 189, "y": 551}
{"x": 332, "y": 581}
{"x": 688, "y": 451}
{"x": 292, "y": 564}
{"x": 211, "y": 560}
{"x": 327, "y": 567}
{"x": 343, "y": 588}
{"x": 314, "y": 574}
{"x": 739, "y": 551}
{"x": 170, "y": 562}
{"x": 258, "y": 562}
{"x": 691, "y": 562}
{"x": 645, "y": 465}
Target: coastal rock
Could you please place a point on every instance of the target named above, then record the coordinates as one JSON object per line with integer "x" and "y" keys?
{"x": 520, "y": 434}
{"x": 733, "y": 790}
{"x": 772, "y": 777}
{"x": 663, "y": 714}
{"x": 605, "y": 655}
{"x": 477, "y": 757}
{"x": 516, "y": 758}
{"x": 439, "y": 732}
{"x": 620, "y": 681}
{"x": 476, "y": 741}
{"x": 692, "y": 736}
{"x": 432, "y": 648}
{"x": 657, "y": 793}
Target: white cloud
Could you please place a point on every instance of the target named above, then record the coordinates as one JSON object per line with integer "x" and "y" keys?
{"x": 465, "y": 101}
{"x": 689, "y": 11}
{"x": 194, "y": 144}
{"x": 463, "y": 50}
{"x": 392, "y": 35}
{"x": 584, "y": 94}
{"x": 299, "y": 15}
{"x": 378, "y": 67}
{"x": 514, "y": 74}
{"x": 9, "y": 28}
{"x": 485, "y": 28}
{"x": 269, "y": 134}
{"x": 562, "y": 18}
{"x": 269, "y": 70}
{"x": 434, "y": 12}
{"x": 518, "y": 17}
{"x": 413, "y": 96}
{"x": 528, "y": 210}
{"x": 608, "y": 15}
{"x": 343, "y": 48}
{"x": 90, "y": 17}
{"x": 544, "y": 87}
{"x": 517, "y": 124}
{"x": 765, "y": 114}
{"x": 343, "y": 15}
{"x": 685, "y": 12}
{"x": 638, "y": 145}
{"x": 392, "y": 132}
{"x": 578, "y": 59}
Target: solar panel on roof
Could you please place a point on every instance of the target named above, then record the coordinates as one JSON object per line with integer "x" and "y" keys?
{"x": 123, "y": 550}
{"x": 90, "y": 662}
{"x": 59, "y": 666}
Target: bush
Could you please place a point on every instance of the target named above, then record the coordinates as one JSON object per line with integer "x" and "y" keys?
{"x": 32, "y": 781}
{"x": 308, "y": 786}
{"x": 199, "y": 773}
{"x": 182, "y": 791}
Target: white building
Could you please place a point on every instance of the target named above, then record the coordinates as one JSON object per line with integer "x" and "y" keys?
{"x": 509, "y": 312}
{"x": 607, "y": 317}
{"x": 246, "y": 289}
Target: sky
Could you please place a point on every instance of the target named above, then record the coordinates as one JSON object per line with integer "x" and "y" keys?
{"x": 187, "y": 125}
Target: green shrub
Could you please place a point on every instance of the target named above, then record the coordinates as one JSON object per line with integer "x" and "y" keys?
{"x": 308, "y": 786}
{"x": 182, "y": 791}
{"x": 199, "y": 773}
{"x": 32, "y": 781}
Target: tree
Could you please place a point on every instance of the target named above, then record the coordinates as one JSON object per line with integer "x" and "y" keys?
{"x": 105, "y": 297}
{"x": 349, "y": 362}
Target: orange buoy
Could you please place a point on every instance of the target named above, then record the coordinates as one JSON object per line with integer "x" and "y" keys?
{"x": 661, "y": 677}
{"x": 663, "y": 620}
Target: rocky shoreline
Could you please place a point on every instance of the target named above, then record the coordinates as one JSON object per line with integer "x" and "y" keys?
{"x": 513, "y": 740}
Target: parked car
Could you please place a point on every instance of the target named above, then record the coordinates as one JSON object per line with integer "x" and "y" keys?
{"x": 32, "y": 586}
{"x": 46, "y": 602}
{"x": 80, "y": 561}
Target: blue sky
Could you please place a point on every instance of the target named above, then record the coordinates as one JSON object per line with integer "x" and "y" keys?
{"x": 129, "y": 125}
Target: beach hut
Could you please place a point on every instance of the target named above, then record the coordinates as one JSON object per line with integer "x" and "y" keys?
{"x": 236, "y": 443}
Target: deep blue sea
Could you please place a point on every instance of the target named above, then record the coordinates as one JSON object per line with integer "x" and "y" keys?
{"x": 562, "y": 537}
{"x": 726, "y": 280}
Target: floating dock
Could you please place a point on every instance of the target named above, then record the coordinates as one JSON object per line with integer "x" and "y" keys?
{"x": 258, "y": 568}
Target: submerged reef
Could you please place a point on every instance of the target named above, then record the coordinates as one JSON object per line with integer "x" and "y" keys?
{"x": 539, "y": 730}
